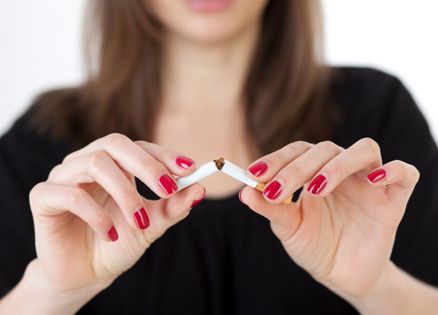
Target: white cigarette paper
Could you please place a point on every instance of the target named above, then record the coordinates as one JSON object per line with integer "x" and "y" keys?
{"x": 238, "y": 173}
{"x": 200, "y": 173}
{"x": 226, "y": 167}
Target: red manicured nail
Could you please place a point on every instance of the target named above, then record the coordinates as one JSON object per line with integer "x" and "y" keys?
{"x": 168, "y": 184}
{"x": 196, "y": 202}
{"x": 184, "y": 162}
{"x": 273, "y": 190}
{"x": 112, "y": 234}
{"x": 258, "y": 169}
{"x": 317, "y": 185}
{"x": 376, "y": 175}
{"x": 142, "y": 219}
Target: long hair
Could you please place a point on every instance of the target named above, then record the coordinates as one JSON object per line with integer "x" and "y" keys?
{"x": 285, "y": 93}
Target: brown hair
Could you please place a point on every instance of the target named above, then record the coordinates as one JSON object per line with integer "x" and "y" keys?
{"x": 284, "y": 93}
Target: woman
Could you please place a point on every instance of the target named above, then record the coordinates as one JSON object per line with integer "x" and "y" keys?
{"x": 234, "y": 78}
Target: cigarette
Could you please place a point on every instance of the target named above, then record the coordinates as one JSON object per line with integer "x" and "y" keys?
{"x": 225, "y": 167}
{"x": 239, "y": 174}
{"x": 200, "y": 173}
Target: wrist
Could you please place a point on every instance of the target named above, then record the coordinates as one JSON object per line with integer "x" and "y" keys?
{"x": 380, "y": 298}
{"x": 399, "y": 293}
{"x": 42, "y": 297}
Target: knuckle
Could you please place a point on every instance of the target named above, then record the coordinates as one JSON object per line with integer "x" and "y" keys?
{"x": 415, "y": 172}
{"x": 97, "y": 161}
{"x": 115, "y": 139}
{"x": 127, "y": 196}
{"x": 297, "y": 146}
{"x": 150, "y": 147}
{"x": 303, "y": 145}
{"x": 75, "y": 196}
{"x": 100, "y": 219}
{"x": 66, "y": 158}
{"x": 149, "y": 164}
{"x": 328, "y": 146}
{"x": 417, "y": 175}
{"x": 398, "y": 163}
{"x": 370, "y": 144}
{"x": 141, "y": 143}
{"x": 294, "y": 173}
{"x": 54, "y": 172}
{"x": 35, "y": 192}
{"x": 335, "y": 171}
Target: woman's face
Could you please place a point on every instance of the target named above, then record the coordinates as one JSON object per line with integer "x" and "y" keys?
{"x": 208, "y": 21}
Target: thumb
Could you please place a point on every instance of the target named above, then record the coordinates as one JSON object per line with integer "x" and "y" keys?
{"x": 285, "y": 218}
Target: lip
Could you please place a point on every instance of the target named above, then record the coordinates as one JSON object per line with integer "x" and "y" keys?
{"x": 208, "y": 5}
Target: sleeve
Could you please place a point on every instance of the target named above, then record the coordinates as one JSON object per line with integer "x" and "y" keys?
{"x": 25, "y": 160}
{"x": 405, "y": 135}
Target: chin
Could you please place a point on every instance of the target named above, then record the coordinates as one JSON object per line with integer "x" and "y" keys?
{"x": 209, "y": 31}
{"x": 208, "y": 21}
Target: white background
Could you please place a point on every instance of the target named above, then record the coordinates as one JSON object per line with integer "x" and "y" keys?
{"x": 40, "y": 46}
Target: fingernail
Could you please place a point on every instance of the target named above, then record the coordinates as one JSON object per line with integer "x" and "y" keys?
{"x": 142, "y": 219}
{"x": 112, "y": 234}
{"x": 168, "y": 184}
{"x": 240, "y": 196}
{"x": 196, "y": 202}
{"x": 184, "y": 162}
{"x": 273, "y": 190}
{"x": 317, "y": 185}
{"x": 376, "y": 175}
{"x": 258, "y": 169}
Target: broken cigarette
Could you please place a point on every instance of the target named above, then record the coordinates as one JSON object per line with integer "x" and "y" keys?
{"x": 226, "y": 167}
{"x": 239, "y": 174}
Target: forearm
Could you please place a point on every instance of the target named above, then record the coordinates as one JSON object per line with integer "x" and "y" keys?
{"x": 398, "y": 293}
{"x": 33, "y": 295}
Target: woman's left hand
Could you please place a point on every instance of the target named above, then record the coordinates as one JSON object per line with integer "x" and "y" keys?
{"x": 343, "y": 227}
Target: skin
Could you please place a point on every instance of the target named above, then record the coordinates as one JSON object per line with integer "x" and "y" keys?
{"x": 349, "y": 226}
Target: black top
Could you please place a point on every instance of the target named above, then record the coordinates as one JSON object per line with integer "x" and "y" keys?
{"x": 223, "y": 258}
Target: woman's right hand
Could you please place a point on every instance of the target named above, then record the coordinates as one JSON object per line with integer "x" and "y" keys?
{"x": 91, "y": 224}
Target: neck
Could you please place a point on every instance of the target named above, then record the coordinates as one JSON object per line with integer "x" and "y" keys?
{"x": 206, "y": 76}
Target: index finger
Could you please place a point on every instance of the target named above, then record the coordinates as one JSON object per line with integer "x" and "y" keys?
{"x": 134, "y": 160}
{"x": 266, "y": 167}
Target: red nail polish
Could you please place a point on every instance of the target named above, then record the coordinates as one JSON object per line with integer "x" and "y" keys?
{"x": 112, "y": 234}
{"x": 258, "y": 169}
{"x": 142, "y": 219}
{"x": 168, "y": 184}
{"x": 273, "y": 190}
{"x": 196, "y": 202}
{"x": 184, "y": 162}
{"x": 317, "y": 185}
{"x": 376, "y": 175}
